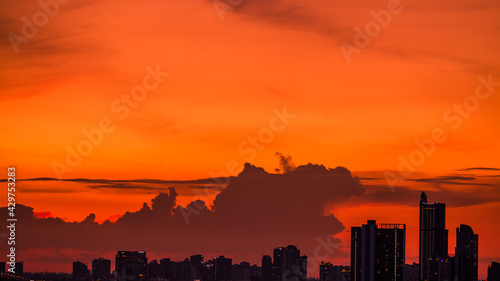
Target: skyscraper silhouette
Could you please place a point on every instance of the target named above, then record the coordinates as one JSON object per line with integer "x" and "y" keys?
{"x": 222, "y": 268}
{"x": 303, "y": 268}
{"x": 196, "y": 266}
{"x": 278, "y": 262}
{"x": 466, "y": 254}
{"x": 80, "y": 271}
{"x": 288, "y": 264}
{"x": 363, "y": 252}
{"x": 165, "y": 267}
{"x": 101, "y": 269}
{"x": 377, "y": 252}
{"x": 267, "y": 268}
{"x": 433, "y": 236}
{"x": 325, "y": 271}
{"x": 19, "y": 268}
{"x": 494, "y": 271}
{"x": 131, "y": 266}
{"x": 391, "y": 243}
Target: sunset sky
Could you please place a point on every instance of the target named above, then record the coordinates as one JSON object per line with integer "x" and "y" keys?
{"x": 417, "y": 103}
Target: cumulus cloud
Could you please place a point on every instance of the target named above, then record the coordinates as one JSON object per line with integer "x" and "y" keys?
{"x": 286, "y": 164}
{"x": 255, "y": 213}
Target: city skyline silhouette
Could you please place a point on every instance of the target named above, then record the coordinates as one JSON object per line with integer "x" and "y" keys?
{"x": 164, "y": 226}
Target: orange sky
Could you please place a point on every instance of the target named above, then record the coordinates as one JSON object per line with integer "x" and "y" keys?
{"x": 227, "y": 77}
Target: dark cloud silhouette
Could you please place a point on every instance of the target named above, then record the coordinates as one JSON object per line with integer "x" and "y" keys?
{"x": 479, "y": 169}
{"x": 125, "y": 186}
{"x": 147, "y": 186}
{"x": 110, "y": 182}
{"x": 286, "y": 164}
{"x": 256, "y": 212}
{"x": 205, "y": 187}
{"x": 454, "y": 190}
{"x": 49, "y": 190}
{"x": 292, "y": 15}
{"x": 403, "y": 195}
{"x": 453, "y": 180}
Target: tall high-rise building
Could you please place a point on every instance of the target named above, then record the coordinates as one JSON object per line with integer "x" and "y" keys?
{"x": 390, "y": 248}
{"x": 303, "y": 268}
{"x": 2, "y": 267}
{"x": 278, "y": 262}
{"x": 288, "y": 264}
{"x": 440, "y": 269}
{"x": 222, "y": 268}
{"x": 356, "y": 244}
{"x": 80, "y": 271}
{"x": 131, "y": 266}
{"x": 186, "y": 273}
{"x": 101, "y": 269}
{"x": 19, "y": 268}
{"x": 466, "y": 254}
{"x": 377, "y": 252}
{"x": 178, "y": 271}
{"x": 165, "y": 267}
{"x": 433, "y": 236}
{"x": 196, "y": 262}
{"x": 494, "y": 271}
{"x": 325, "y": 271}
{"x": 363, "y": 252}
{"x": 267, "y": 268}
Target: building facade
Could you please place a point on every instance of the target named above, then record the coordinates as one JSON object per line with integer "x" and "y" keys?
{"x": 378, "y": 252}
{"x": 80, "y": 271}
{"x": 433, "y": 235}
{"x": 466, "y": 254}
{"x": 101, "y": 269}
{"x": 494, "y": 271}
{"x": 131, "y": 266}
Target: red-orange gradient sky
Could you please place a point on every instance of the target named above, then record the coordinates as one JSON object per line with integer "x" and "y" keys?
{"x": 231, "y": 75}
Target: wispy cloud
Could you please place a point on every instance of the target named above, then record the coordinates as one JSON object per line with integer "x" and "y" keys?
{"x": 479, "y": 169}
